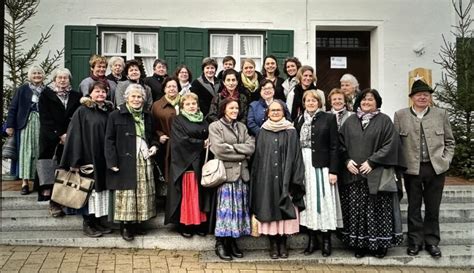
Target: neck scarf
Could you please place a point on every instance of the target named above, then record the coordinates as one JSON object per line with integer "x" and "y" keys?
{"x": 226, "y": 94}
{"x": 193, "y": 117}
{"x": 250, "y": 84}
{"x": 62, "y": 93}
{"x": 137, "y": 115}
{"x": 277, "y": 126}
{"x": 366, "y": 117}
{"x": 174, "y": 101}
{"x": 102, "y": 79}
{"x": 305, "y": 134}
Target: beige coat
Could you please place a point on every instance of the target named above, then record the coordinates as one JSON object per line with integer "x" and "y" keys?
{"x": 438, "y": 135}
{"x": 234, "y": 149}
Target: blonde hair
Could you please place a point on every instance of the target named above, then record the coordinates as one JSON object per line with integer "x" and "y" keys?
{"x": 335, "y": 91}
{"x": 188, "y": 96}
{"x": 248, "y": 60}
{"x": 97, "y": 59}
{"x": 314, "y": 94}
{"x": 304, "y": 68}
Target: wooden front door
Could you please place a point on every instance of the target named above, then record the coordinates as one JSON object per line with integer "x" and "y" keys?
{"x": 351, "y": 54}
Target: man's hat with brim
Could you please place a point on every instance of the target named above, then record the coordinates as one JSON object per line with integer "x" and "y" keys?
{"x": 420, "y": 86}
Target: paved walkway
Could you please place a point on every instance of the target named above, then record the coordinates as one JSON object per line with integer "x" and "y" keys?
{"x": 58, "y": 259}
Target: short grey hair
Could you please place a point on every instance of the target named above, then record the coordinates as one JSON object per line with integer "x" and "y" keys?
{"x": 350, "y": 78}
{"x": 116, "y": 59}
{"x": 134, "y": 87}
{"x": 33, "y": 69}
{"x": 62, "y": 71}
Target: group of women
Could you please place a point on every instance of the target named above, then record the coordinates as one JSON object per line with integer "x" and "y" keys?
{"x": 290, "y": 165}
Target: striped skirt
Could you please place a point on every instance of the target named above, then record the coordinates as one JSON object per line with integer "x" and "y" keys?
{"x": 29, "y": 147}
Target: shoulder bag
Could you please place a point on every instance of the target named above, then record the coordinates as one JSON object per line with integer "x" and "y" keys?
{"x": 213, "y": 172}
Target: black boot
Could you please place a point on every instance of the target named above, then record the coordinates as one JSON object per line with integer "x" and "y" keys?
{"x": 98, "y": 225}
{"x": 232, "y": 248}
{"x": 138, "y": 229}
{"x": 326, "y": 249}
{"x": 221, "y": 251}
{"x": 283, "y": 247}
{"x": 126, "y": 232}
{"x": 312, "y": 243}
{"x": 273, "y": 247}
{"x": 88, "y": 227}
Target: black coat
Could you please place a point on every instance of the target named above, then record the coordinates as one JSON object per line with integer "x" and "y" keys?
{"x": 121, "y": 148}
{"x": 155, "y": 82}
{"x": 187, "y": 154}
{"x": 206, "y": 91}
{"x": 85, "y": 140}
{"x": 54, "y": 119}
{"x": 379, "y": 144}
{"x": 297, "y": 107}
{"x": 279, "y": 92}
{"x": 277, "y": 178}
{"x": 324, "y": 141}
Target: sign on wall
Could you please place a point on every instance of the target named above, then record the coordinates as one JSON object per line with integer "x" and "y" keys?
{"x": 338, "y": 62}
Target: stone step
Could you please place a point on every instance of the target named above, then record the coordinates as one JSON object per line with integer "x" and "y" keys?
{"x": 455, "y": 256}
{"x": 13, "y": 199}
{"x": 449, "y": 212}
{"x": 168, "y": 238}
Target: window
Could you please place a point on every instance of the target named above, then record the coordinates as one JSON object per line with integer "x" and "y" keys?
{"x": 240, "y": 46}
{"x": 132, "y": 45}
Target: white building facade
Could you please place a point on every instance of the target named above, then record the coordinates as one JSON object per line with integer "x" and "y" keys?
{"x": 377, "y": 41}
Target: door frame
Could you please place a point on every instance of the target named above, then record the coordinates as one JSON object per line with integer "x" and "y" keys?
{"x": 376, "y": 43}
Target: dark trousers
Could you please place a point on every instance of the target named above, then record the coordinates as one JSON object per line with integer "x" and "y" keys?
{"x": 427, "y": 187}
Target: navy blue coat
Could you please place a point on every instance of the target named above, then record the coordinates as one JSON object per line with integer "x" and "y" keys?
{"x": 20, "y": 108}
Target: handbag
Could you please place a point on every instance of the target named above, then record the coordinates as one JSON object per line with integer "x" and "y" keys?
{"x": 46, "y": 169}
{"x": 72, "y": 190}
{"x": 213, "y": 172}
{"x": 9, "y": 149}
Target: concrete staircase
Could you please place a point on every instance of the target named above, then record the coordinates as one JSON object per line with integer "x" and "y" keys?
{"x": 24, "y": 221}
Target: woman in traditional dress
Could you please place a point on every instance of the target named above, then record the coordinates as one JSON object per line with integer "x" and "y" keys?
{"x": 306, "y": 81}
{"x": 187, "y": 201}
{"x": 271, "y": 72}
{"x": 231, "y": 143}
{"x": 57, "y": 104}
{"x": 23, "y": 123}
{"x": 338, "y": 101}
{"x": 350, "y": 87}
{"x": 129, "y": 144}
{"x": 164, "y": 112}
{"x": 84, "y": 147}
{"x": 135, "y": 74}
{"x": 206, "y": 85}
{"x": 290, "y": 68}
{"x": 185, "y": 77}
{"x": 277, "y": 183}
{"x": 232, "y": 89}
{"x": 371, "y": 151}
{"x": 319, "y": 144}
{"x": 250, "y": 79}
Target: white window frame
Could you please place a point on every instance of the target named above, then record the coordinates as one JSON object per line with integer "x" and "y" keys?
{"x": 130, "y": 49}
{"x": 236, "y": 49}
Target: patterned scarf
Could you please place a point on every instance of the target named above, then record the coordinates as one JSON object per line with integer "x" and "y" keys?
{"x": 102, "y": 79}
{"x": 305, "y": 135}
{"x": 250, "y": 84}
{"x": 226, "y": 94}
{"x": 62, "y": 93}
{"x": 366, "y": 117}
{"x": 277, "y": 126}
{"x": 193, "y": 117}
{"x": 137, "y": 115}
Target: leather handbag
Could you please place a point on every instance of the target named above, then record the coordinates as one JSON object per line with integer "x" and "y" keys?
{"x": 213, "y": 172}
{"x": 71, "y": 189}
{"x": 46, "y": 169}
{"x": 9, "y": 149}
{"x": 388, "y": 180}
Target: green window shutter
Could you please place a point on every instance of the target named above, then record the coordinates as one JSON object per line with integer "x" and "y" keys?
{"x": 80, "y": 44}
{"x": 280, "y": 44}
{"x": 168, "y": 47}
{"x": 194, "y": 47}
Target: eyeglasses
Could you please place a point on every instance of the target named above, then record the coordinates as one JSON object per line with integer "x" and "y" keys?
{"x": 276, "y": 110}
{"x": 267, "y": 88}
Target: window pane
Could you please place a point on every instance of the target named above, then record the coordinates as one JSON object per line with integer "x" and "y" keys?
{"x": 115, "y": 43}
{"x": 147, "y": 64}
{"x": 222, "y": 45}
{"x": 250, "y": 46}
{"x": 145, "y": 43}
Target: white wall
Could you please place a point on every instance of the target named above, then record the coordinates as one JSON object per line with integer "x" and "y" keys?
{"x": 397, "y": 26}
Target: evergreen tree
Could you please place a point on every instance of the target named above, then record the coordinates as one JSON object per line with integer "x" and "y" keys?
{"x": 16, "y": 58}
{"x": 455, "y": 91}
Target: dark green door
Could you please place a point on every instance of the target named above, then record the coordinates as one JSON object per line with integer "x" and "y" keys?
{"x": 280, "y": 44}
{"x": 80, "y": 44}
